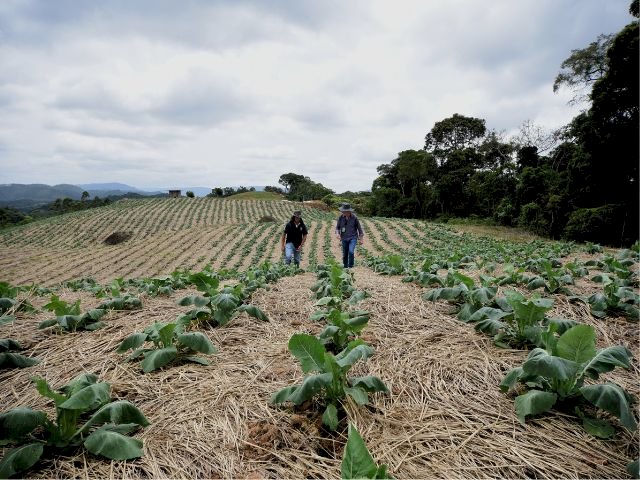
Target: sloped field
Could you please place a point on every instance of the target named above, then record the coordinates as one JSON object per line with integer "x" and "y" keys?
{"x": 170, "y": 234}
{"x": 444, "y": 415}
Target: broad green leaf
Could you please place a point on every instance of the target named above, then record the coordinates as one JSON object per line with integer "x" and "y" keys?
{"x": 113, "y": 445}
{"x": 606, "y": 360}
{"x": 310, "y": 386}
{"x": 483, "y": 295}
{"x": 327, "y": 301}
{"x": 330, "y": 417}
{"x": 488, "y": 312}
{"x": 309, "y": 351}
{"x": 116, "y": 413}
{"x": 158, "y": 358}
{"x": 598, "y": 303}
{"x": 48, "y": 323}
{"x": 328, "y": 332}
{"x": 511, "y": 378}
{"x": 204, "y": 282}
{"x": 198, "y": 342}
{"x": 15, "y": 360}
{"x": 536, "y": 282}
{"x": 534, "y": 402}
{"x": 88, "y": 398}
{"x": 359, "y": 321}
{"x": 357, "y": 461}
{"x": 253, "y": 311}
{"x": 613, "y": 399}
{"x": 225, "y": 301}
{"x": 20, "y": 459}
{"x": 357, "y": 296}
{"x": 95, "y": 326}
{"x": 194, "y": 359}
{"x": 196, "y": 300}
{"x": 358, "y": 394}
{"x": 597, "y": 427}
{"x": 577, "y": 344}
{"x": 283, "y": 395}
{"x": 539, "y": 362}
{"x": 18, "y": 422}
{"x": 490, "y": 326}
{"x": 370, "y": 383}
{"x": 633, "y": 469}
{"x": 348, "y": 357}
{"x": 561, "y": 324}
{"x": 6, "y": 344}
{"x": 166, "y": 334}
{"x": 223, "y": 316}
{"x": 132, "y": 342}
{"x": 7, "y": 319}
{"x": 78, "y": 383}
{"x": 463, "y": 279}
{"x": 529, "y": 311}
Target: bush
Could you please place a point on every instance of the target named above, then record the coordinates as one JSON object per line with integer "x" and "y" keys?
{"x": 532, "y": 218}
{"x": 190, "y": 194}
{"x": 604, "y": 225}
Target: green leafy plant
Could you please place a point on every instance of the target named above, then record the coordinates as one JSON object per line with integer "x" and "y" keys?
{"x": 218, "y": 306}
{"x": 615, "y": 299}
{"x": 10, "y": 359}
{"x": 519, "y": 321}
{"x": 104, "y": 433}
{"x": 9, "y": 301}
{"x": 555, "y": 376}
{"x": 330, "y": 379}
{"x": 90, "y": 320}
{"x": 61, "y": 307}
{"x": 123, "y": 302}
{"x": 170, "y": 344}
{"x": 357, "y": 462}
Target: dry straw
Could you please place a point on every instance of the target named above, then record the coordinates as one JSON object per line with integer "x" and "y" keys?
{"x": 445, "y": 416}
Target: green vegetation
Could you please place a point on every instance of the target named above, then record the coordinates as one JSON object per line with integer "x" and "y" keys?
{"x": 357, "y": 462}
{"x": 10, "y": 359}
{"x": 555, "y": 376}
{"x": 85, "y": 415}
{"x": 170, "y": 344}
{"x": 330, "y": 379}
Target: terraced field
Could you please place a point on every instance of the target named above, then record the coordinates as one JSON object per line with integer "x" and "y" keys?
{"x": 434, "y": 324}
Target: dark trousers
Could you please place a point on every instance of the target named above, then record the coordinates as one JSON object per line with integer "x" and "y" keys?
{"x": 348, "y": 252}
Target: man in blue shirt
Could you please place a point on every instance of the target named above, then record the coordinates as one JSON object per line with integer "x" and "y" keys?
{"x": 293, "y": 238}
{"x": 348, "y": 231}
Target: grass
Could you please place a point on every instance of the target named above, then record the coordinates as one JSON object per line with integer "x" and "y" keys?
{"x": 256, "y": 196}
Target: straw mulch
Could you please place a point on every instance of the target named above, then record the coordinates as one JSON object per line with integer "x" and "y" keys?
{"x": 445, "y": 416}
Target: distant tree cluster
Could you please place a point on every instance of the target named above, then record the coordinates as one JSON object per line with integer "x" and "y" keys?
{"x": 11, "y": 216}
{"x": 579, "y": 183}
{"x": 300, "y": 188}
{"x": 272, "y": 189}
{"x": 228, "y": 191}
{"x": 64, "y": 205}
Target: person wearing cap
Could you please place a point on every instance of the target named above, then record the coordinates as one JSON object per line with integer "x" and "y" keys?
{"x": 293, "y": 238}
{"x": 348, "y": 231}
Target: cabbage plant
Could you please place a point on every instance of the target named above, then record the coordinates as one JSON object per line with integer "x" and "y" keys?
{"x": 328, "y": 376}
{"x": 555, "y": 376}
{"x": 10, "y": 359}
{"x": 169, "y": 344}
{"x": 85, "y": 415}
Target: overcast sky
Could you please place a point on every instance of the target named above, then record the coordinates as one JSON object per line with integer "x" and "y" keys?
{"x": 181, "y": 93}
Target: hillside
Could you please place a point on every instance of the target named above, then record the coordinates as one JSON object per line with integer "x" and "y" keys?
{"x": 444, "y": 414}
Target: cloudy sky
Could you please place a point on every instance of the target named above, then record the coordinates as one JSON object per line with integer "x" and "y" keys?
{"x": 161, "y": 93}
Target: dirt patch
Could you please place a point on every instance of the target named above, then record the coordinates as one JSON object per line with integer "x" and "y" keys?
{"x": 117, "y": 237}
{"x": 267, "y": 219}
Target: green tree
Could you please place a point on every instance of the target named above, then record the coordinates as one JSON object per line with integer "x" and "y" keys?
{"x": 84, "y": 196}
{"x": 190, "y": 194}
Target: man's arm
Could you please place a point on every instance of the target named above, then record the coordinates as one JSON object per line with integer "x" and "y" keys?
{"x": 304, "y": 239}
{"x": 338, "y": 228}
{"x": 284, "y": 236}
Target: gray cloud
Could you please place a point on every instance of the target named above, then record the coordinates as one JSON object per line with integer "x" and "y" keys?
{"x": 155, "y": 92}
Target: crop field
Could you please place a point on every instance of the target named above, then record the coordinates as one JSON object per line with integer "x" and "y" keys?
{"x": 189, "y": 350}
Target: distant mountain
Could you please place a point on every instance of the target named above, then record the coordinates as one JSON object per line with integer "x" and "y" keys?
{"x": 37, "y": 192}
{"x": 110, "y": 186}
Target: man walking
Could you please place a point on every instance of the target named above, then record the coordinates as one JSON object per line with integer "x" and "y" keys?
{"x": 293, "y": 238}
{"x": 348, "y": 231}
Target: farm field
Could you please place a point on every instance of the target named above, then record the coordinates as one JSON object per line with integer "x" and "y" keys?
{"x": 444, "y": 414}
